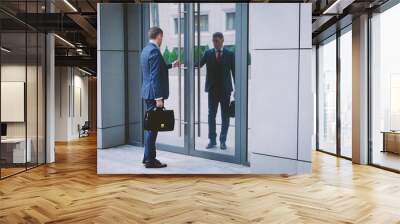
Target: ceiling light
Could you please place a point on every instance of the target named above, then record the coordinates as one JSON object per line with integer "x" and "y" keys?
{"x": 84, "y": 71}
{"x": 65, "y": 41}
{"x": 70, "y": 5}
{"x": 5, "y": 50}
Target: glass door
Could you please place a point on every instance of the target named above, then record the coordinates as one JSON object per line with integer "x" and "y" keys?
{"x": 170, "y": 17}
{"x": 199, "y": 95}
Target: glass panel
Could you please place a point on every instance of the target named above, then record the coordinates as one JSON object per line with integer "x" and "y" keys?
{"x": 41, "y": 99}
{"x": 386, "y": 89}
{"x": 172, "y": 49}
{"x": 31, "y": 98}
{"x": 13, "y": 86}
{"x": 327, "y": 96}
{"x": 346, "y": 93}
{"x": 214, "y": 82}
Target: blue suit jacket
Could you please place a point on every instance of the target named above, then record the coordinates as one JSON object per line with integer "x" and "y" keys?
{"x": 155, "y": 82}
{"x": 228, "y": 61}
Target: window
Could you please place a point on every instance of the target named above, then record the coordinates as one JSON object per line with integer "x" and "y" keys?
{"x": 230, "y": 21}
{"x": 176, "y": 25}
{"x": 346, "y": 94}
{"x": 203, "y": 23}
{"x": 327, "y": 96}
{"x": 385, "y": 89}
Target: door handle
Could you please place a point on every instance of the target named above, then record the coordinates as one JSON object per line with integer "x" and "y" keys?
{"x": 198, "y": 72}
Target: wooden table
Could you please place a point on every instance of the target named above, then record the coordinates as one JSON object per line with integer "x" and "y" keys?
{"x": 13, "y": 150}
{"x": 391, "y": 141}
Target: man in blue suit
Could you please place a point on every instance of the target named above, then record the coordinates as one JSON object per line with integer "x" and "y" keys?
{"x": 220, "y": 72}
{"x": 155, "y": 89}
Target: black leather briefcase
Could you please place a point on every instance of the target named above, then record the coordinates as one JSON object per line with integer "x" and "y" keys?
{"x": 232, "y": 109}
{"x": 159, "y": 119}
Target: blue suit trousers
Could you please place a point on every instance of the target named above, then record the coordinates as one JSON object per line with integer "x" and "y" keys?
{"x": 215, "y": 99}
{"x": 150, "y": 137}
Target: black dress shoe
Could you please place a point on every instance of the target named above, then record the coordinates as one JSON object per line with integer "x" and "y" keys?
{"x": 143, "y": 161}
{"x": 155, "y": 164}
{"x": 211, "y": 145}
{"x": 223, "y": 146}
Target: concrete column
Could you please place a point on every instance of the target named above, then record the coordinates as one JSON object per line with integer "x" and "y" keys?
{"x": 50, "y": 93}
{"x": 134, "y": 77}
{"x": 119, "y": 117}
{"x": 111, "y": 123}
{"x": 360, "y": 90}
{"x": 50, "y": 99}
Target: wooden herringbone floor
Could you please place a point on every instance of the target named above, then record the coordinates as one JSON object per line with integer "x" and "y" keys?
{"x": 70, "y": 191}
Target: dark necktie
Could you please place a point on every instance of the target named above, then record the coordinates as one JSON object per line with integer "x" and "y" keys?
{"x": 218, "y": 55}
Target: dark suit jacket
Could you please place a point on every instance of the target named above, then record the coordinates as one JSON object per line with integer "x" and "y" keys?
{"x": 228, "y": 62}
{"x": 155, "y": 82}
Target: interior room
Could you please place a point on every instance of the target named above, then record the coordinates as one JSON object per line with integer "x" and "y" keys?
{"x": 313, "y": 128}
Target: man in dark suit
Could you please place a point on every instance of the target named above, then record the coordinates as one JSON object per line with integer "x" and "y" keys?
{"x": 220, "y": 72}
{"x": 155, "y": 89}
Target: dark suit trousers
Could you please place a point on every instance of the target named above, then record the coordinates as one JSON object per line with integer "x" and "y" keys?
{"x": 214, "y": 99}
{"x": 150, "y": 137}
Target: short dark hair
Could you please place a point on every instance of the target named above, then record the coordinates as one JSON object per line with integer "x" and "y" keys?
{"x": 154, "y": 32}
{"x": 218, "y": 35}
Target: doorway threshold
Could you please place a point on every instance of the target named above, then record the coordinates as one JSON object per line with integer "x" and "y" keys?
{"x": 127, "y": 159}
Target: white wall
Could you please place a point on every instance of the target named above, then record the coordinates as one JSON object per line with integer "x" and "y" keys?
{"x": 281, "y": 97}
{"x": 69, "y": 82}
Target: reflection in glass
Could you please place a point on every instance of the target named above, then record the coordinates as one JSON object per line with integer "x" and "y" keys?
{"x": 207, "y": 101}
{"x": 385, "y": 89}
{"x": 327, "y": 96}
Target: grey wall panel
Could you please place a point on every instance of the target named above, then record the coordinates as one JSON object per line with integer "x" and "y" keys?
{"x": 135, "y": 133}
{"x": 305, "y": 25}
{"x": 274, "y": 26}
{"x": 273, "y": 103}
{"x": 112, "y": 88}
{"x": 134, "y": 86}
{"x": 110, "y": 137}
{"x": 306, "y": 106}
{"x": 134, "y": 20}
{"x": 110, "y": 26}
{"x": 304, "y": 167}
{"x": 135, "y": 99}
{"x": 261, "y": 164}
